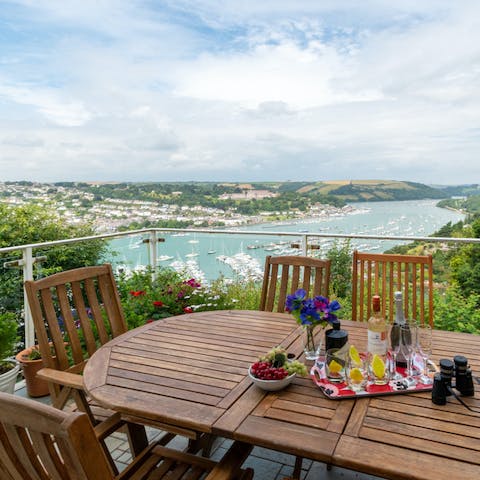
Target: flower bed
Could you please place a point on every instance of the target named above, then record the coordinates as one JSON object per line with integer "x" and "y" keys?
{"x": 145, "y": 299}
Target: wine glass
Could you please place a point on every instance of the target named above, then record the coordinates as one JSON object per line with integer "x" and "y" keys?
{"x": 408, "y": 344}
{"x": 394, "y": 348}
{"x": 424, "y": 344}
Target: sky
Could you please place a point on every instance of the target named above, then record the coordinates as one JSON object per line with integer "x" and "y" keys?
{"x": 244, "y": 90}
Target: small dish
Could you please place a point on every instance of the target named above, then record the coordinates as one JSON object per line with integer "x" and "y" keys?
{"x": 271, "y": 385}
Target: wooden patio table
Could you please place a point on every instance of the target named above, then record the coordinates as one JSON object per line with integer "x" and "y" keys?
{"x": 190, "y": 372}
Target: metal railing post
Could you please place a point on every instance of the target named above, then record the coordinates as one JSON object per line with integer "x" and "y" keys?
{"x": 152, "y": 252}
{"x": 27, "y": 266}
{"x": 304, "y": 245}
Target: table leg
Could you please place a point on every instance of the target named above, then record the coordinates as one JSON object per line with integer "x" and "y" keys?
{"x": 137, "y": 438}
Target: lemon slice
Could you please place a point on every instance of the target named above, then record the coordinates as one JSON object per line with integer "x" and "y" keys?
{"x": 354, "y": 355}
{"x": 334, "y": 367}
{"x": 378, "y": 366}
{"x": 356, "y": 375}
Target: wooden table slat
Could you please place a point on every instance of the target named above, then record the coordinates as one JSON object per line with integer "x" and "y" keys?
{"x": 206, "y": 362}
{"x": 296, "y": 418}
{"x": 211, "y": 370}
{"x": 419, "y": 416}
{"x": 420, "y": 432}
{"x": 184, "y": 377}
{"x": 399, "y": 463}
{"x": 308, "y": 410}
{"x": 217, "y": 341}
{"x": 289, "y": 438}
{"x": 193, "y": 352}
{"x": 236, "y": 413}
{"x": 145, "y": 378}
{"x": 173, "y": 392}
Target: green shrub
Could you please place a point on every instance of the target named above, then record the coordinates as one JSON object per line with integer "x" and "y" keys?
{"x": 147, "y": 299}
{"x": 456, "y": 312}
{"x": 340, "y": 255}
{"x": 245, "y": 295}
{"x": 8, "y": 334}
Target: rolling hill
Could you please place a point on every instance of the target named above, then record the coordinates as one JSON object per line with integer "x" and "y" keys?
{"x": 373, "y": 190}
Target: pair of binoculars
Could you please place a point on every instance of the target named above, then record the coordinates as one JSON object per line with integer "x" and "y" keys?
{"x": 442, "y": 382}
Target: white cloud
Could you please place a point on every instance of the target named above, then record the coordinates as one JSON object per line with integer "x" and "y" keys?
{"x": 246, "y": 90}
{"x": 66, "y": 112}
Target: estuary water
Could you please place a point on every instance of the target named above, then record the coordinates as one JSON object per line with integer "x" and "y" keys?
{"x": 241, "y": 256}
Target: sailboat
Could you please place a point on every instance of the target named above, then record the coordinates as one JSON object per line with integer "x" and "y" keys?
{"x": 212, "y": 250}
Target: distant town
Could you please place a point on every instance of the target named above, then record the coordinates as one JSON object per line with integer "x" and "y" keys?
{"x": 79, "y": 204}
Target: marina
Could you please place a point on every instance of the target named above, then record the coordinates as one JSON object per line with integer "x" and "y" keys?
{"x": 241, "y": 256}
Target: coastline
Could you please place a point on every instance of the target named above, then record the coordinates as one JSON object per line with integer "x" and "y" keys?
{"x": 211, "y": 250}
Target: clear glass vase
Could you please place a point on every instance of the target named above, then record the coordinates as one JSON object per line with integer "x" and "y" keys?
{"x": 312, "y": 341}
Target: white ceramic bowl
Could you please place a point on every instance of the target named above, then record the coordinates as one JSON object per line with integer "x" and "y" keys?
{"x": 271, "y": 385}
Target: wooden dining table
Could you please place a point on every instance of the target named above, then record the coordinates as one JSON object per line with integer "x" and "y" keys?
{"x": 191, "y": 372}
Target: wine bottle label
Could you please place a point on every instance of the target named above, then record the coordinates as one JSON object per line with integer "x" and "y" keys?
{"x": 377, "y": 342}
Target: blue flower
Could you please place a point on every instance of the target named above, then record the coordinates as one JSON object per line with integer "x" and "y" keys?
{"x": 311, "y": 311}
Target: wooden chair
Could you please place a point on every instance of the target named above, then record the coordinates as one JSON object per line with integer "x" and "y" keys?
{"x": 383, "y": 274}
{"x": 285, "y": 274}
{"x": 74, "y": 312}
{"x": 38, "y": 441}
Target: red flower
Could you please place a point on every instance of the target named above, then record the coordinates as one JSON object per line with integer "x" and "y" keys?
{"x": 188, "y": 309}
{"x": 158, "y": 303}
{"x": 150, "y": 320}
{"x": 137, "y": 293}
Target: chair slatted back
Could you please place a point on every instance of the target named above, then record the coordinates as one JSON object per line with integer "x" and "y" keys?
{"x": 384, "y": 274}
{"x": 284, "y": 275}
{"x": 39, "y": 442}
{"x": 77, "y": 311}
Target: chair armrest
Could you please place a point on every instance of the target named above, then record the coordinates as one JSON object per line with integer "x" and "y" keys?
{"x": 67, "y": 379}
{"x": 230, "y": 464}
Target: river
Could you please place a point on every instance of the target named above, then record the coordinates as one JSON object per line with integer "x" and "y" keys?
{"x": 207, "y": 256}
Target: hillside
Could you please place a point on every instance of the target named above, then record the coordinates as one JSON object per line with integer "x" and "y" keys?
{"x": 459, "y": 190}
{"x": 374, "y": 190}
{"x": 470, "y": 204}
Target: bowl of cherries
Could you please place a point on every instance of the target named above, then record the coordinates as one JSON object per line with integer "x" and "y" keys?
{"x": 275, "y": 370}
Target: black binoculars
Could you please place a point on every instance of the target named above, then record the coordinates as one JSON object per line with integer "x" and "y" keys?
{"x": 442, "y": 382}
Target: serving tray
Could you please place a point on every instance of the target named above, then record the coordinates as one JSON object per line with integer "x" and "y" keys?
{"x": 338, "y": 391}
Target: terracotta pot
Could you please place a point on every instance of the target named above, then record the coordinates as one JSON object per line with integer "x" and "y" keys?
{"x": 36, "y": 387}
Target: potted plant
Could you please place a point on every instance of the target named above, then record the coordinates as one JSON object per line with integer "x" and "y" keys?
{"x": 9, "y": 367}
{"x": 31, "y": 361}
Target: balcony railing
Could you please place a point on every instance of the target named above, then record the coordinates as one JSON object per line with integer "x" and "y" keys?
{"x": 25, "y": 257}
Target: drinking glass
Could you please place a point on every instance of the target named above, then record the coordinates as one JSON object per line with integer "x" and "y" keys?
{"x": 424, "y": 345}
{"x": 356, "y": 373}
{"x": 414, "y": 368}
{"x": 378, "y": 368}
{"x": 394, "y": 348}
{"x": 408, "y": 344}
{"x": 335, "y": 360}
